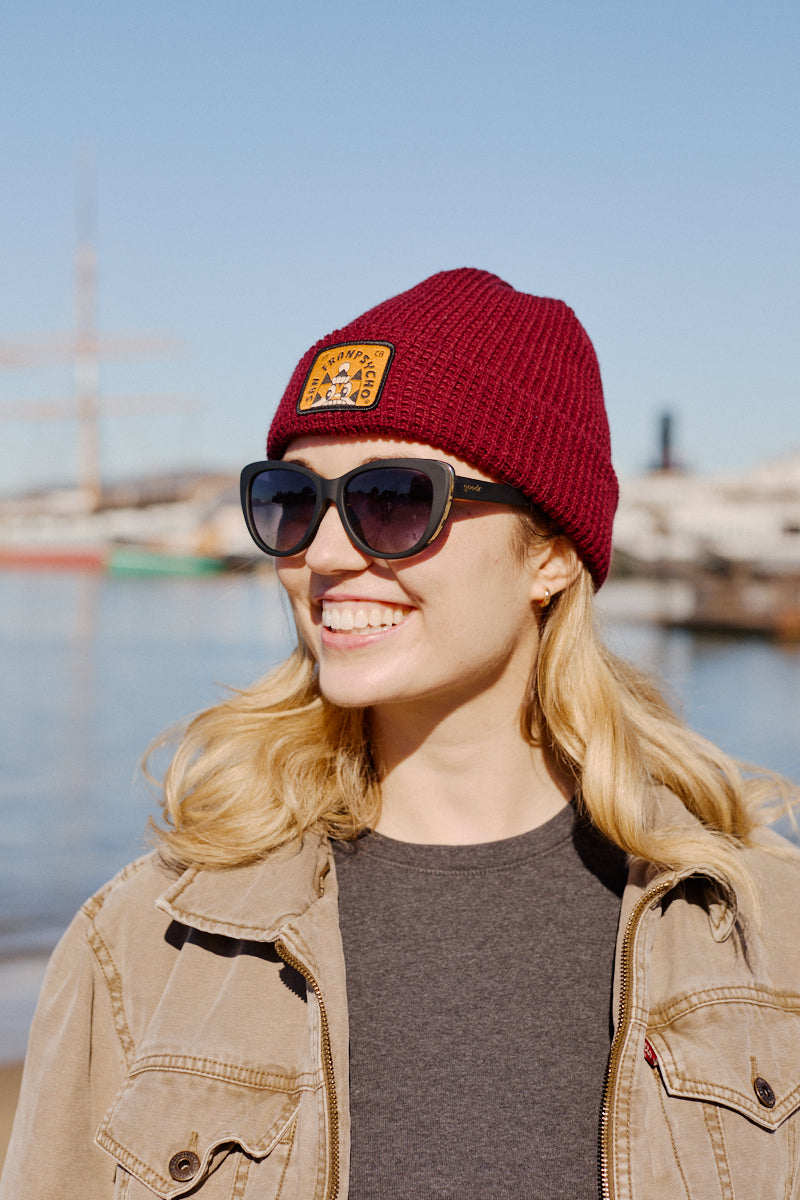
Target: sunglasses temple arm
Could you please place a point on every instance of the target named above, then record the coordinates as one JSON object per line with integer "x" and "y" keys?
{"x": 493, "y": 493}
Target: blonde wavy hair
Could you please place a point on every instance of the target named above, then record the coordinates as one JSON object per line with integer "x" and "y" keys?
{"x": 276, "y": 759}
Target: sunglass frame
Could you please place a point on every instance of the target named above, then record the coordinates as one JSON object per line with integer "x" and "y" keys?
{"x": 447, "y": 487}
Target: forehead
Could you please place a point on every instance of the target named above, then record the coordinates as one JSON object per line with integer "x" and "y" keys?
{"x": 333, "y": 456}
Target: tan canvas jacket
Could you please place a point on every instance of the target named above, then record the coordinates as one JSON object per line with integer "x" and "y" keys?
{"x": 191, "y": 1039}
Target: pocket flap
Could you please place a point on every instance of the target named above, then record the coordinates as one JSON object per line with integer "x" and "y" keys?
{"x": 173, "y": 1122}
{"x": 738, "y": 1047}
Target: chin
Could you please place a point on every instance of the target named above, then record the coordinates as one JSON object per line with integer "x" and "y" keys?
{"x": 352, "y": 693}
{"x": 344, "y": 693}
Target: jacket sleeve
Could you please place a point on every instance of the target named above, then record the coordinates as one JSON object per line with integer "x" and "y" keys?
{"x": 74, "y": 1068}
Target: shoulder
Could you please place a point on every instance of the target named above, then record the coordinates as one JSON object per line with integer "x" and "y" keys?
{"x": 125, "y": 899}
{"x": 761, "y": 930}
{"x": 124, "y": 909}
{"x": 135, "y": 888}
{"x": 762, "y": 902}
{"x": 137, "y": 885}
{"x": 118, "y": 929}
{"x": 775, "y": 865}
{"x": 130, "y": 917}
{"x": 767, "y": 845}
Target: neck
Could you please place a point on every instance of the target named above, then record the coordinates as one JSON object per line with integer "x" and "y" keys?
{"x": 468, "y": 778}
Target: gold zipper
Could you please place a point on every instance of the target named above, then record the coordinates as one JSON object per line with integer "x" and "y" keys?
{"x": 332, "y": 1190}
{"x": 626, "y": 956}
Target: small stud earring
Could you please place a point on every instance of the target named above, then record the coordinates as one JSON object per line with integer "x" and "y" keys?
{"x": 546, "y": 598}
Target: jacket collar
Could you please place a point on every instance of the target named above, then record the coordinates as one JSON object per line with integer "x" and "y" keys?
{"x": 256, "y": 901}
{"x": 668, "y": 810}
{"x": 253, "y": 902}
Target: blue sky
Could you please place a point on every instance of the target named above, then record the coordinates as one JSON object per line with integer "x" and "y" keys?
{"x": 265, "y": 171}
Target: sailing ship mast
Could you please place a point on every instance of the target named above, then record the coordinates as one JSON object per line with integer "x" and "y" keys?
{"x": 86, "y": 348}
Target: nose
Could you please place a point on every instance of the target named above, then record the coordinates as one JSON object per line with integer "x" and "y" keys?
{"x": 331, "y": 549}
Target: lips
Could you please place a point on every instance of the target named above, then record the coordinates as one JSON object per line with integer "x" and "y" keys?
{"x": 360, "y": 616}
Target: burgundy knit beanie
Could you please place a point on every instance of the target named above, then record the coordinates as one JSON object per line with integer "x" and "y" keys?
{"x": 466, "y": 364}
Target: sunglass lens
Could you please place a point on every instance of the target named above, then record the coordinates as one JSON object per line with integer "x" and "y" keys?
{"x": 390, "y": 508}
{"x": 282, "y": 503}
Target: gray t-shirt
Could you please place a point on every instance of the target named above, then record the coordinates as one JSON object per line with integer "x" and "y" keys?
{"x": 479, "y": 993}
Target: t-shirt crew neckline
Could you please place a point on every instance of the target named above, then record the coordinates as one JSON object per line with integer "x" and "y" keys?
{"x": 472, "y": 857}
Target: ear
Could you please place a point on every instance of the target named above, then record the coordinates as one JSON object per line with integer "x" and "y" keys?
{"x": 553, "y": 568}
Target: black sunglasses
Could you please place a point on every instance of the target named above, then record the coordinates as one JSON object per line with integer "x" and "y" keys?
{"x": 390, "y": 508}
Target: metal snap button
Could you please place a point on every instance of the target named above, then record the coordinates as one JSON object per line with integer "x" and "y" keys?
{"x": 184, "y": 1165}
{"x": 764, "y": 1092}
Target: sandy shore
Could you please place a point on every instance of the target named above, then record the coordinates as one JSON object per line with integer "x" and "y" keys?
{"x": 10, "y": 1074}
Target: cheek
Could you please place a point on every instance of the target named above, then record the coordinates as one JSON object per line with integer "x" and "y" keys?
{"x": 294, "y": 583}
{"x": 497, "y": 596}
{"x": 289, "y": 573}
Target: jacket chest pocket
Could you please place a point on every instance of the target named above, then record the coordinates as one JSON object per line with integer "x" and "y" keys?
{"x": 728, "y": 1065}
{"x": 201, "y": 1127}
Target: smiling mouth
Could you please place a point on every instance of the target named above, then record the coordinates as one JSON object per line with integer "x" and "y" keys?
{"x": 358, "y": 617}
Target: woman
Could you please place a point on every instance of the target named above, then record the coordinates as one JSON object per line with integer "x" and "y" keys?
{"x": 411, "y": 883}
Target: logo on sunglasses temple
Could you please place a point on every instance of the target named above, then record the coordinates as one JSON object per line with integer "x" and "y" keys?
{"x": 347, "y": 376}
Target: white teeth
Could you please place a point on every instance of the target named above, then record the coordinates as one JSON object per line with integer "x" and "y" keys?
{"x": 345, "y": 616}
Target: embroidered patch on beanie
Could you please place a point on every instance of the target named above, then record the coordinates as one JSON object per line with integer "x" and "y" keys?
{"x": 349, "y": 375}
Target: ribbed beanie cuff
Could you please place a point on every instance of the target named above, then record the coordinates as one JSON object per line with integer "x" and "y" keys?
{"x": 466, "y": 364}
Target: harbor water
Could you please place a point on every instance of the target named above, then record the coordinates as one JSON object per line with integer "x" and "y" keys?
{"x": 95, "y": 667}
